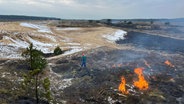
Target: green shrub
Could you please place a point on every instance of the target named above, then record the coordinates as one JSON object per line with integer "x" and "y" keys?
{"x": 129, "y": 23}
{"x": 58, "y": 51}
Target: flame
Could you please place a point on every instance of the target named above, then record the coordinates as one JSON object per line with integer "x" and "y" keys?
{"x": 122, "y": 86}
{"x": 167, "y": 62}
{"x": 142, "y": 84}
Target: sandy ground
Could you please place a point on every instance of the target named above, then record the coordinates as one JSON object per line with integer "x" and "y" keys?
{"x": 13, "y": 27}
{"x": 88, "y": 37}
{"x": 75, "y": 39}
{"x": 84, "y": 36}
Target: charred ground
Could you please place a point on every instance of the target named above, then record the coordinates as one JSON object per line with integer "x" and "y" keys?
{"x": 153, "y": 42}
{"x": 98, "y": 83}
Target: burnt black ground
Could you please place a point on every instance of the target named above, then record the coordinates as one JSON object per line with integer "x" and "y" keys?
{"x": 96, "y": 83}
{"x": 153, "y": 42}
{"x": 96, "y": 87}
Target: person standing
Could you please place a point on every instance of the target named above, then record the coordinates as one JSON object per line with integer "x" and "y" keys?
{"x": 84, "y": 65}
{"x": 83, "y": 60}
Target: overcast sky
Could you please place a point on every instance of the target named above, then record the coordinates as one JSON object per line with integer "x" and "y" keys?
{"x": 94, "y": 9}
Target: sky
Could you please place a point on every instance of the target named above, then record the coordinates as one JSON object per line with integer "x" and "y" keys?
{"x": 94, "y": 9}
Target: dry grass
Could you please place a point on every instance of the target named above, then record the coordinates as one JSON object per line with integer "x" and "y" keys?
{"x": 13, "y": 27}
{"x": 88, "y": 38}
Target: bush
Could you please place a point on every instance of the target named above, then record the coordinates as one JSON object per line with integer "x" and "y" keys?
{"x": 167, "y": 23}
{"x": 129, "y": 23}
{"x": 58, "y": 51}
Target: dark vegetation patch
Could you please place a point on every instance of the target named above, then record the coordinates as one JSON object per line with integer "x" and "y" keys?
{"x": 153, "y": 42}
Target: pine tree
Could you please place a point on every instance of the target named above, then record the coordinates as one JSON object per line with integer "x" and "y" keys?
{"x": 37, "y": 63}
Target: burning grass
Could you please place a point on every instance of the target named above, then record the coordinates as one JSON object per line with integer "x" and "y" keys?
{"x": 113, "y": 76}
{"x": 167, "y": 62}
{"x": 142, "y": 84}
{"x": 117, "y": 76}
{"x": 122, "y": 86}
{"x": 100, "y": 83}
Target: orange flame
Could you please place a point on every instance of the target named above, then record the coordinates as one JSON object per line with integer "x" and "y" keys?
{"x": 142, "y": 84}
{"x": 122, "y": 86}
{"x": 167, "y": 62}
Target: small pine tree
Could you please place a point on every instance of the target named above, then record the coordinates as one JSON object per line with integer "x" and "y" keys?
{"x": 37, "y": 63}
{"x": 58, "y": 51}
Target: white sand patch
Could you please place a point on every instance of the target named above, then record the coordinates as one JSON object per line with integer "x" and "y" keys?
{"x": 16, "y": 43}
{"x": 110, "y": 100}
{"x": 87, "y": 44}
{"x": 74, "y": 47}
{"x": 119, "y": 34}
{"x": 44, "y": 47}
{"x": 12, "y": 49}
{"x": 72, "y": 51}
{"x": 65, "y": 39}
{"x": 73, "y": 44}
{"x": 4, "y": 74}
{"x": 65, "y": 83}
{"x": 40, "y": 28}
{"x": 9, "y": 52}
{"x": 68, "y": 28}
{"x": 35, "y": 42}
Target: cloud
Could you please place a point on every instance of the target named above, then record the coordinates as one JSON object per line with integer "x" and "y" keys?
{"x": 95, "y": 9}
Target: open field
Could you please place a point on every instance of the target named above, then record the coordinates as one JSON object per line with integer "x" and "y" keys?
{"x": 111, "y": 53}
{"x": 19, "y": 35}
